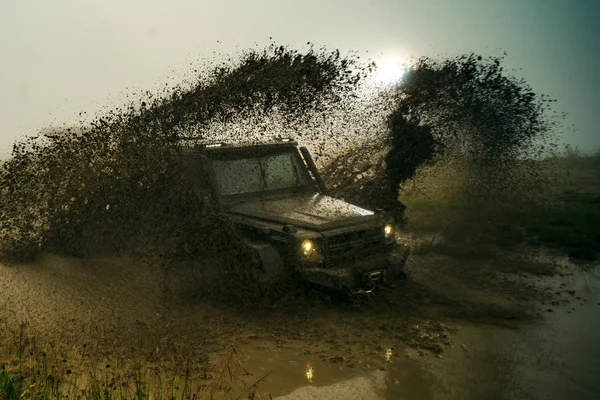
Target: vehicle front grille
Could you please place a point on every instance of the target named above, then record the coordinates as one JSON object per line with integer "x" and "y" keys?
{"x": 351, "y": 243}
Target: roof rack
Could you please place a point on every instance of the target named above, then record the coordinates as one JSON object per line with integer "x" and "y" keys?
{"x": 232, "y": 145}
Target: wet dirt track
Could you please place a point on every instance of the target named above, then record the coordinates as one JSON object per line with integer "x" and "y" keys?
{"x": 330, "y": 353}
{"x": 57, "y": 291}
{"x": 554, "y": 357}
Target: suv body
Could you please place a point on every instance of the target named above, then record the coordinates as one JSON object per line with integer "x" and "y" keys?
{"x": 275, "y": 197}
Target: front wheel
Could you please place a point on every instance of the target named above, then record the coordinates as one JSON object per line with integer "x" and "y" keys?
{"x": 271, "y": 268}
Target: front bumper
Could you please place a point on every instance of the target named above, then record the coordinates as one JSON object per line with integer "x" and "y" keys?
{"x": 362, "y": 274}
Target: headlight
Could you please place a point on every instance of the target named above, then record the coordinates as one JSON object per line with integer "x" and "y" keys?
{"x": 388, "y": 231}
{"x": 307, "y": 248}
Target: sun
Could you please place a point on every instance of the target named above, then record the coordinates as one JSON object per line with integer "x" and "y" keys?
{"x": 390, "y": 69}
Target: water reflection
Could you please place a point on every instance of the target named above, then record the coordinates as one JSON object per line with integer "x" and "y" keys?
{"x": 370, "y": 386}
{"x": 388, "y": 355}
{"x": 293, "y": 375}
{"x": 309, "y": 373}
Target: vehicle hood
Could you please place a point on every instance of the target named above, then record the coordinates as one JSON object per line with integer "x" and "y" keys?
{"x": 313, "y": 210}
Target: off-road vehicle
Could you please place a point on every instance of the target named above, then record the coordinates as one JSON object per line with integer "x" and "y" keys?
{"x": 275, "y": 196}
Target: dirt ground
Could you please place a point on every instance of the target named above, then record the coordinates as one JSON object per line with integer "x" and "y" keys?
{"x": 127, "y": 310}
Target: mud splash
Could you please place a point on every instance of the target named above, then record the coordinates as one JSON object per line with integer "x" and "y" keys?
{"x": 115, "y": 183}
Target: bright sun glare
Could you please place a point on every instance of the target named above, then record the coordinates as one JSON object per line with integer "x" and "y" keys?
{"x": 390, "y": 69}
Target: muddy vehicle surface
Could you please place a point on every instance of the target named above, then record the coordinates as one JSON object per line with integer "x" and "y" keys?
{"x": 275, "y": 197}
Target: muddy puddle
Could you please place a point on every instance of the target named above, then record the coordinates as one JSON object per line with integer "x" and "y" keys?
{"x": 289, "y": 374}
{"x": 556, "y": 356}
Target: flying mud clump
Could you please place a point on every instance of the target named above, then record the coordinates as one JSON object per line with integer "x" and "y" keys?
{"x": 116, "y": 185}
{"x": 463, "y": 116}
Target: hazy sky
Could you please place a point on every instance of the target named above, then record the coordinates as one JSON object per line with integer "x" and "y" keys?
{"x": 60, "y": 57}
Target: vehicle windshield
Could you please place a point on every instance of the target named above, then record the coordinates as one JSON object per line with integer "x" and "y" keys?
{"x": 258, "y": 174}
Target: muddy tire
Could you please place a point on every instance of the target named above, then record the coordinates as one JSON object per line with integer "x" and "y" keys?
{"x": 271, "y": 269}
